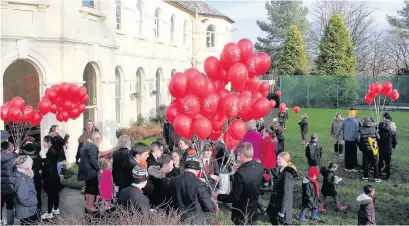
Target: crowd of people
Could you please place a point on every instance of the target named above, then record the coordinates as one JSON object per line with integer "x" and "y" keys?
{"x": 169, "y": 173}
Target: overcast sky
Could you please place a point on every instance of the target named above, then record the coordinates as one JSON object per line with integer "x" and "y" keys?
{"x": 246, "y": 13}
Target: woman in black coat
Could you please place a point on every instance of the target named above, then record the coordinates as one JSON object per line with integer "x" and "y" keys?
{"x": 119, "y": 157}
{"x": 280, "y": 208}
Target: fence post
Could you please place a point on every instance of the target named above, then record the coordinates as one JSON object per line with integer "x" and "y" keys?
{"x": 308, "y": 91}
{"x": 337, "y": 93}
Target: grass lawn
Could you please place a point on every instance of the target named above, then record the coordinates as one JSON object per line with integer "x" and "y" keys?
{"x": 392, "y": 197}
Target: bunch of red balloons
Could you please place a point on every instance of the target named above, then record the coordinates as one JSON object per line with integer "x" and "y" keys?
{"x": 203, "y": 105}
{"x": 66, "y": 101}
{"x": 377, "y": 89}
{"x": 17, "y": 112}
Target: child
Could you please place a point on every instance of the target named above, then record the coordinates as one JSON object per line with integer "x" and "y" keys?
{"x": 328, "y": 187}
{"x": 366, "y": 212}
{"x": 280, "y": 139}
{"x": 310, "y": 195}
{"x": 313, "y": 151}
{"x": 282, "y": 118}
{"x": 304, "y": 128}
{"x": 106, "y": 184}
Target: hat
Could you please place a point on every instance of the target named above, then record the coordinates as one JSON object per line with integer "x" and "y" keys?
{"x": 386, "y": 115}
{"x": 352, "y": 112}
{"x": 314, "y": 136}
{"x": 192, "y": 162}
{"x": 29, "y": 148}
{"x": 4, "y": 136}
{"x": 313, "y": 172}
{"x": 140, "y": 173}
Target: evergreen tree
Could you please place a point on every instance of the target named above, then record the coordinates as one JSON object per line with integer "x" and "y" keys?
{"x": 336, "y": 52}
{"x": 294, "y": 58}
{"x": 402, "y": 22}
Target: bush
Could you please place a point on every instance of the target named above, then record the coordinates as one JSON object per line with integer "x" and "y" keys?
{"x": 140, "y": 120}
{"x": 160, "y": 114}
{"x": 143, "y": 132}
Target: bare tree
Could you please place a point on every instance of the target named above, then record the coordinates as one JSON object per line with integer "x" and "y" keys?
{"x": 398, "y": 51}
{"x": 357, "y": 16}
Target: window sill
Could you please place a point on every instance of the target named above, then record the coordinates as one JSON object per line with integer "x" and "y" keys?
{"x": 120, "y": 32}
{"x": 93, "y": 12}
{"x": 41, "y": 5}
{"x": 142, "y": 37}
{"x": 158, "y": 41}
{"x": 212, "y": 49}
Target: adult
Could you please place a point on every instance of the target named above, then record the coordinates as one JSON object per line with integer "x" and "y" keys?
{"x": 58, "y": 142}
{"x": 280, "y": 208}
{"x": 246, "y": 187}
{"x": 169, "y": 135}
{"x": 157, "y": 176}
{"x": 139, "y": 153}
{"x": 349, "y": 128}
{"x": 189, "y": 194}
{"x": 88, "y": 130}
{"x": 178, "y": 167}
{"x": 89, "y": 170}
{"x": 166, "y": 149}
{"x": 184, "y": 145}
{"x": 155, "y": 155}
{"x": 338, "y": 138}
{"x": 387, "y": 143}
{"x": 282, "y": 118}
{"x": 365, "y": 134}
{"x": 7, "y": 179}
{"x": 120, "y": 155}
{"x": 52, "y": 185}
{"x": 253, "y": 137}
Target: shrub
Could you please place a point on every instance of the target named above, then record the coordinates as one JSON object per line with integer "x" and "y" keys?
{"x": 143, "y": 131}
{"x": 140, "y": 120}
{"x": 160, "y": 114}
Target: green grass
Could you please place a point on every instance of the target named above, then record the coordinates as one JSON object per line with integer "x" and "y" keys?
{"x": 392, "y": 197}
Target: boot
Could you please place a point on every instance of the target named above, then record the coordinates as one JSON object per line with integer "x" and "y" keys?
{"x": 322, "y": 207}
{"x": 303, "y": 219}
{"x": 336, "y": 149}
{"x": 315, "y": 215}
{"x": 89, "y": 203}
{"x": 341, "y": 207}
{"x": 10, "y": 217}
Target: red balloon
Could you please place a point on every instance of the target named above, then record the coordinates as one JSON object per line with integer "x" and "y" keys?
{"x": 202, "y": 128}
{"x": 231, "y": 105}
{"x": 237, "y": 129}
{"x": 371, "y": 95}
{"x": 82, "y": 91}
{"x": 36, "y": 118}
{"x": 197, "y": 85}
{"x": 218, "y": 85}
{"x": 230, "y": 55}
{"x": 257, "y": 95}
{"x": 223, "y": 93}
{"x": 190, "y": 105}
{"x": 372, "y": 88}
{"x": 229, "y": 141}
{"x": 53, "y": 109}
{"x": 67, "y": 104}
{"x": 14, "y": 114}
{"x": 84, "y": 99}
{"x": 51, "y": 94}
{"x": 215, "y": 135}
{"x": 5, "y": 112}
{"x": 209, "y": 104}
{"x": 273, "y": 103}
{"x": 74, "y": 91}
{"x": 378, "y": 88}
{"x": 178, "y": 85}
{"x": 191, "y": 73}
{"x": 252, "y": 84}
{"x": 44, "y": 106}
{"x": 238, "y": 75}
{"x": 264, "y": 93}
{"x": 395, "y": 95}
{"x": 58, "y": 116}
{"x": 368, "y": 99}
{"x": 64, "y": 90}
{"x": 278, "y": 93}
{"x": 55, "y": 88}
{"x": 252, "y": 63}
{"x": 282, "y": 107}
{"x": 182, "y": 125}
{"x": 223, "y": 75}
{"x": 81, "y": 108}
{"x": 246, "y": 48}
{"x": 264, "y": 87}
{"x": 296, "y": 109}
{"x": 245, "y": 104}
{"x": 74, "y": 113}
{"x": 172, "y": 111}
{"x": 218, "y": 121}
{"x": 260, "y": 108}
{"x": 65, "y": 116}
{"x": 17, "y": 102}
{"x": 264, "y": 63}
{"x": 211, "y": 67}
{"x": 209, "y": 86}
{"x": 387, "y": 88}
{"x": 27, "y": 113}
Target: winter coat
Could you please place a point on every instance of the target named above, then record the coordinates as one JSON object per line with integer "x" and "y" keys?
{"x": 176, "y": 171}
{"x": 309, "y": 194}
{"x": 118, "y": 158}
{"x": 366, "y": 212}
{"x": 169, "y": 134}
{"x": 387, "y": 138}
{"x": 7, "y": 172}
{"x": 245, "y": 192}
{"x": 281, "y": 200}
{"x": 83, "y": 139}
{"x": 26, "y": 199}
{"x": 127, "y": 167}
{"x": 37, "y": 164}
{"x": 191, "y": 196}
{"x": 253, "y": 137}
{"x": 365, "y": 131}
{"x": 160, "y": 184}
{"x": 303, "y": 126}
{"x": 313, "y": 152}
{"x": 338, "y": 138}
{"x": 349, "y": 128}
{"x": 58, "y": 142}
{"x": 89, "y": 166}
{"x": 132, "y": 197}
{"x": 50, "y": 171}
{"x": 328, "y": 183}
{"x": 282, "y": 116}
{"x": 106, "y": 186}
{"x": 152, "y": 161}
{"x": 268, "y": 152}
{"x": 280, "y": 145}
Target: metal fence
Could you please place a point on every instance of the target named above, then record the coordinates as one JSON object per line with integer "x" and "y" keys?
{"x": 336, "y": 91}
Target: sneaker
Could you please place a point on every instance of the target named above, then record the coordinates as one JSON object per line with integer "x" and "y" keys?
{"x": 377, "y": 180}
{"x": 56, "y": 212}
{"x": 365, "y": 178}
{"x": 340, "y": 155}
{"x": 347, "y": 170}
{"x": 354, "y": 170}
{"x": 47, "y": 216}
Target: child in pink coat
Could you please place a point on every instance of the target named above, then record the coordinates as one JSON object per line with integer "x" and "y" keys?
{"x": 106, "y": 185}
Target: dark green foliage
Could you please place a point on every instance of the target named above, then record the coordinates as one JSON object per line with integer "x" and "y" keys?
{"x": 294, "y": 58}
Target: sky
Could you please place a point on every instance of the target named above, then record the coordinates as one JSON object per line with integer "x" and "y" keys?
{"x": 246, "y": 13}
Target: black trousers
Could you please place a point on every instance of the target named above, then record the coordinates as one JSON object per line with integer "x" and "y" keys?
{"x": 385, "y": 159}
{"x": 339, "y": 149}
{"x": 369, "y": 158}
{"x": 38, "y": 186}
{"x": 351, "y": 159}
{"x": 8, "y": 200}
{"x": 53, "y": 199}
{"x": 92, "y": 186}
{"x": 30, "y": 220}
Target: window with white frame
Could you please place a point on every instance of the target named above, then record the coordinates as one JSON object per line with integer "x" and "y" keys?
{"x": 140, "y": 7}
{"x": 118, "y": 14}
{"x": 156, "y": 23}
{"x": 210, "y": 36}
{"x": 88, "y": 3}
{"x": 172, "y": 27}
{"x": 118, "y": 95}
{"x": 185, "y": 32}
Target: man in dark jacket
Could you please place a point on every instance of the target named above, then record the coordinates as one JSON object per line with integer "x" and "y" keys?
{"x": 7, "y": 179}
{"x": 139, "y": 153}
{"x": 365, "y": 134}
{"x": 169, "y": 135}
{"x": 159, "y": 181}
{"x": 246, "y": 187}
{"x": 155, "y": 155}
{"x": 387, "y": 142}
{"x": 348, "y": 128}
{"x": 119, "y": 157}
{"x": 132, "y": 196}
{"x": 313, "y": 151}
{"x": 280, "y": 139}
{"x": 191, "y": 195}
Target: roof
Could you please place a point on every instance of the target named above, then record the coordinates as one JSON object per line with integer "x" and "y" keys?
{"x": 201, "y": 8}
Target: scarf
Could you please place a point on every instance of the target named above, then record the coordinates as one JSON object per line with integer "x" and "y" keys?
{"x": 313, "y": 172}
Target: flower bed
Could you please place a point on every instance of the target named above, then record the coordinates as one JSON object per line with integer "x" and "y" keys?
{"x": 143, "y": 132}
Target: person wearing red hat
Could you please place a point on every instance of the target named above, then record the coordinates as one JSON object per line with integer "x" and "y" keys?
{"x": 310, "y": 195}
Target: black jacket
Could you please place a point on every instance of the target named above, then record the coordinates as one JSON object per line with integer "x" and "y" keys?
{"x": 7, "y": 172}
{"x": 365, "y": 131}
{"x": 50, "y": 171}
{"x": 152, "y": 161}
{"x": 37, "y": 164}
{"x": 89, "y": 166}
{"x": 118, "y": 158}
{"x": 309, "y": 194}
{"x": 282, "y": 116}
{"x": 58, "y": 142}
{"x": 313, "y": 152}
{"x": 328, "y": 184}
{"x": 281, "y": 200}
{"x": 132, "y": 197}
{"x": 303, "y": 126}
{"x": 126, "y": 176}
{"x": 280, "y": 145}
{"x": 176, "y": 171}
{"x": 191, "y": 196}
{"x": 387, "y": 138}
{"x": 169, "y": 134}
{"x": 245, "y": 192}
{"x": 78, "y": 155}
{"x": 160, "y": 184}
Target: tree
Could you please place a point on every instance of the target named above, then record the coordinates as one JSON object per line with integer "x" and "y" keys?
{"x": 401, "y": 22}
{"x": 294, "y": 58}
{"x": 281, "y": 14}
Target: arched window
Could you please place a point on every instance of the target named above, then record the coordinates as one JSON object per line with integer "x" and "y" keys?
{"x": 139, "y": 6}
{"x": 171, "y": 75}
{"x": 185, "y": 32}
{"x": 118, "y": 14}
{"x": 210, "y": 36}
{"x": 172, "y": 27}
{"x": 158, "y": 77}
{"x": 118, "y": 95}
{"x": 138, "y": 90}
{"x": 157, "y": 23}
